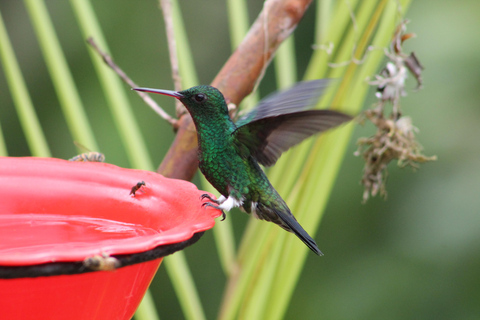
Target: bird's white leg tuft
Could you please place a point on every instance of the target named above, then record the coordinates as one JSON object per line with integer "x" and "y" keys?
{"x": 221, "y": 199}
{"x": 254, "y": 210}
{"x": 229, "y": 203}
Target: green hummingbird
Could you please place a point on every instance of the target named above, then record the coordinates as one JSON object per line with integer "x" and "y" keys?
{"x": 230, "y": 153}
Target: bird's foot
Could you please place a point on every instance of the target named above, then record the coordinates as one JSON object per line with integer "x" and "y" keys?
{"x": 219, "y": 202}
{"x": 205, "y": 195}
{"x": 209, "y": 204}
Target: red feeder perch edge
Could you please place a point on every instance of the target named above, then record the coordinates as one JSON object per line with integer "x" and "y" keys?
{"x": 70, "y": 218}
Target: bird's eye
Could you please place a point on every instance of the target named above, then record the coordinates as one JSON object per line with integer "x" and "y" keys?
{"x": 200, "y": 97}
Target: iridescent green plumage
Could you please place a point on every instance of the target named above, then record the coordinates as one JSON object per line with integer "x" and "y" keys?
{"x": 230, "y": 153}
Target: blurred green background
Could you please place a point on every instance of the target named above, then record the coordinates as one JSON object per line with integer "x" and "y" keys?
{"x": 413, "y": 256}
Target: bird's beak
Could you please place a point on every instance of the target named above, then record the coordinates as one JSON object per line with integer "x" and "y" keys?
{"x": 174, "y": 94}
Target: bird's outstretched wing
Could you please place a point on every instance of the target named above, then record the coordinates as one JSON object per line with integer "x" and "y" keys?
{"x": 301, "y": 96}
{"x": 267, "y": 138}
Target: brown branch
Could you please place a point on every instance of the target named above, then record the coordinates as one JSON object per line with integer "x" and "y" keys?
{"x": 237, "y": 78}
{"x": 149, "y": 101}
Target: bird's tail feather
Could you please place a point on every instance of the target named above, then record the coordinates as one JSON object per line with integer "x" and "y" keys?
{"x": 295, "y": 227}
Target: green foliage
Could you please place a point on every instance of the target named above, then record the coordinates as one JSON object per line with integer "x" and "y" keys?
{"x": 265, "y": 266}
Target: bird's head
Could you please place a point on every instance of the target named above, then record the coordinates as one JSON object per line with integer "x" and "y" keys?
{"x": 198, "y": 100}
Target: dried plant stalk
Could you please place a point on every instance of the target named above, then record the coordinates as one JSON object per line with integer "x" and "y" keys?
{"x": 395, "y": 136}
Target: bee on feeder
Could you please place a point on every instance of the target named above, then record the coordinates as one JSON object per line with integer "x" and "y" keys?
{"x": 101, "y": 263}
{"x": 89, "y": 156}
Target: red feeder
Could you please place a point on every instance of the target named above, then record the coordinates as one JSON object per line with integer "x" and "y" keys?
{"x": 62, "y": 221}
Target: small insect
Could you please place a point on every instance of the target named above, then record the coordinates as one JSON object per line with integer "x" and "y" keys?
{"x": 101, "y": 263}
{"x": 89, "y": 157}
{"x": 137, "y": 187}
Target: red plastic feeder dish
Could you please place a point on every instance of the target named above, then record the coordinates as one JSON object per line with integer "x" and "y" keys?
{"x": 75, "y": 244}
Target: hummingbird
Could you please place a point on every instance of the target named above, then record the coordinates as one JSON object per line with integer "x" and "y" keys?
{"x": 230, "y": 153}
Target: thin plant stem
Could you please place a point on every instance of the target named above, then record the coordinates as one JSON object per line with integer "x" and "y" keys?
{"x": 3, "y": 146}
{"x": 300, "y": 203}
{"x": 184, "y": 286}
{"x": 146, "y": 310}
{"x": 285, "y": 64}
{"x": 322, "y": 20}
{"x": 223, "y": 232}
{"x": 289, "y": 165}
{"x": 120, "y": 109}
{"x": 238, "y": 27}
{"x": 327, "y": 48}
{"x": 125, "y": 78}
{"x": 321, "y": 166}
{"x": 286, "y": 76}
{"x": 287, "y": 168}
{"x": 127, "y": 126}
{"x": 327, "y": 166}
{"x": 62, "y": 78}
{"x": 175, "y": 265}
{"x": 255, "y": 302}
{"x": 172, "y": 43}
{"x": 224, "y": 240}
{"x": 240, "y": 280}
{"x": 295, "y": 162}
{"x": 185, "y": 59}
{"x": 166, "y": 6}
{"x": 26, "y": 112}
{"x": 238, "y": 21}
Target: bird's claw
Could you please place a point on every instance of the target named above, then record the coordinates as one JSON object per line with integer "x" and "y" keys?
{"x": 208, "y": 204}
{"x": 206, "y": 195}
